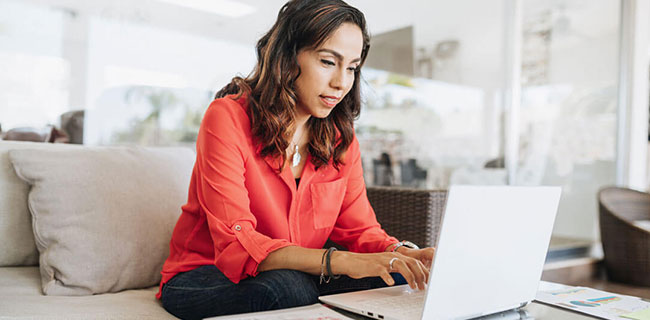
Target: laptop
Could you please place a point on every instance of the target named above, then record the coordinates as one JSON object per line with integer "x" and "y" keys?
{"x": 489, "y": 258}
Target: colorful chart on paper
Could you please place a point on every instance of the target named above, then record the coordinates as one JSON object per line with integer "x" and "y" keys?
{"x": 594, "y": 302}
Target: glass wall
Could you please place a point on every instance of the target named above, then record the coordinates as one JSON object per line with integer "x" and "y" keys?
{"x": 140, "y": 71}
{"x": 433, "y": 115}
{"x": 34, "y": 76}
{"x": 153, "y": 82}
{"x": 569, "y": 105}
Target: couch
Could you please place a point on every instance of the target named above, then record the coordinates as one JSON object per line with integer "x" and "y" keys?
{"x": 84, "y": 230}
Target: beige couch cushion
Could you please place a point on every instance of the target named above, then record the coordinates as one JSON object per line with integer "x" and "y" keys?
{"x": 17, "y": 246}
{"x": 103, "y": 216}
{"x": 21, "y": 298}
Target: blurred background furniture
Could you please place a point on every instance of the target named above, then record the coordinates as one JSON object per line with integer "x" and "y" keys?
{"x": 382, "y": 170}
{"x": 412, "y": 174}
{"x": 72, "y": 122}
{"x": 46, "y": 134}
{"x": 70, "y": 131}
{"x": 625, "y": 234}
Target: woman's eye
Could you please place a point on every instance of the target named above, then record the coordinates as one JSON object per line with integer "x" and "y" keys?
{"x": 352, "y": 69}
{"x": 327, "y": 62}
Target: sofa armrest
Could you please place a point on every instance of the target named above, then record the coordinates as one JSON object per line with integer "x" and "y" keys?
{"x": 409, "y": 214}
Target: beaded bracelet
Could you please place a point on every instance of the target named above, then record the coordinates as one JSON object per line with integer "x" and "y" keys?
{"x": 325, "y": 264}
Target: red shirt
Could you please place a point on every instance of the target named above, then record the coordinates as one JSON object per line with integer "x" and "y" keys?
{"x": 240, "y": 208}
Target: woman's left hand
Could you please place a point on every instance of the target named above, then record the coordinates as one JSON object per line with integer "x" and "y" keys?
{"x": 425, "y": 255}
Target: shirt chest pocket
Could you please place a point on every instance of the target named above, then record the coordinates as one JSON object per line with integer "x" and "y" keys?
{"x": 327, "y": 198}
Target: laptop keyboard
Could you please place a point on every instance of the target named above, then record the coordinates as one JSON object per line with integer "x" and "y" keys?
{"x": 407, "y": 306}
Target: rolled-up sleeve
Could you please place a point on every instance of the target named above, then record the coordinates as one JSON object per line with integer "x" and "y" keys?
{"x": 356, "y": 227}
{"x": 222, "y": 149}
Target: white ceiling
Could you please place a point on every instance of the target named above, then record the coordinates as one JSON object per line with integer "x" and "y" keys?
{"x": 382, "y": 15}
{"x": 434, "y": 19}
{"x": 244, "y": 29}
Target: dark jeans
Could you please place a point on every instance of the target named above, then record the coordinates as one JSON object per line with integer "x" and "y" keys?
{"x": 206, "y": 292}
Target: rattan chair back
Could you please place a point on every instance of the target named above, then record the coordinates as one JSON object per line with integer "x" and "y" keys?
{"x": 626, "y": 245}
{"x": 409, "y": 214}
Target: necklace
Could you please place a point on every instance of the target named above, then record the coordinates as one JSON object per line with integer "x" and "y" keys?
{"x": 296, "y": 152}
{"x": 296, "y": 157}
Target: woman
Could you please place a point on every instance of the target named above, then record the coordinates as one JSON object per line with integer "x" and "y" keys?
{"x": 278, "y": 172}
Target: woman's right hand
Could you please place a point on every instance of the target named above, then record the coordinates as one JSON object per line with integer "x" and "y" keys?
{"x": 361, "y": 265}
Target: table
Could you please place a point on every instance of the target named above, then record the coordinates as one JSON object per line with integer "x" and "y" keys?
{"x": 535, "y": 310}
{"x": 542, "y": 311}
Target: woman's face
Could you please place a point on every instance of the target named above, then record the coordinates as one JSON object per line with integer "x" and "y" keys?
{"x": 327, "y": 72}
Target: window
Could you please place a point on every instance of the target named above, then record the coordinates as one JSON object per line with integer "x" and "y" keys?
{"x": 34, "y": 76}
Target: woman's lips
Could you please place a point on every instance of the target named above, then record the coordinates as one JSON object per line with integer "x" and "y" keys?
{"x": 329, "y": 100}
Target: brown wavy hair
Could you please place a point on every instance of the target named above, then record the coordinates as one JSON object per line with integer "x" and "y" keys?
{"x": 270, "y": 91}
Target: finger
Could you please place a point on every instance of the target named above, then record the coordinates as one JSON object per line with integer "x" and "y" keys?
{"x": 406, "y": 272}
{"x": 418, "y": 271}
{"x": 423, "y": 255}
{"x": 387, "y": 278}
{"x": 430, "y": 253}
{"x": 427, "y": 257}
{"x": 426, "y": 272}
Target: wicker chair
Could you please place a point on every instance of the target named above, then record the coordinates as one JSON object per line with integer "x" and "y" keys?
{"x": 626, "y": 245}
{"x": 409, "y": 214}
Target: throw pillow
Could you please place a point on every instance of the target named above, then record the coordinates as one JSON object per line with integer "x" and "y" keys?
{"x": 17, "y": 247}
{"x": 103, "y": 216}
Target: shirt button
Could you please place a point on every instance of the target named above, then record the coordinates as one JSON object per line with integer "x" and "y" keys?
{"x": 237, "y": 227}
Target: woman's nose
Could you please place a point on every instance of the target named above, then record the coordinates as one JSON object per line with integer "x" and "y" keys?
{"x": 339, "y": 79}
